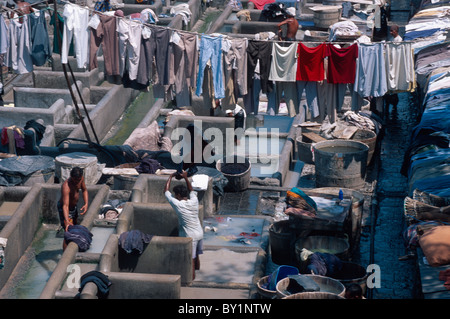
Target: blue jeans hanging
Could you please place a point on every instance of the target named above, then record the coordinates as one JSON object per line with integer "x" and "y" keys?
{"x": 211, "y": 49}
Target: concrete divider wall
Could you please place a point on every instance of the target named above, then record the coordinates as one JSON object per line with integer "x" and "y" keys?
{"x": 154, "y": 219}
{"x": 107, "y": 111}
{"x": 57, "y": 80}
{"x": 137, "y": 286}
{"x": 72, "y": 65}
{"x": 19, "y": 116}
{"x": 254, "y": 27}
{"x": 287, "y": 153}
{"x": 19, "y": 231}
{"x": 44, "y": 97}
{"x": 163, "y": 255}
{"x": 130, "y": 6}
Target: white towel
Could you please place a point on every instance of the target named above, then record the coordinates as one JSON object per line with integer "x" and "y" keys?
{"x": 200, "y": 182}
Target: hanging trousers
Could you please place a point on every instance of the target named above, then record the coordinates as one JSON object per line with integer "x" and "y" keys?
{"x": 211, "y": 50}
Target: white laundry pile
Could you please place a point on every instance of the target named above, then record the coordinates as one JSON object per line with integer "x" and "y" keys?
{"x": 343, "y": 28}
{"x": 183, "y": 10}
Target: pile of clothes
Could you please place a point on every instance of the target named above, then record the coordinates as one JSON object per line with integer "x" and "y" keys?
{"x": 80, "y": 235}
{"x": 111, "y": 209}
{"x": 99, "y": 279}
{"x": 321, "y": 264}
{"x": 134, "y": 241}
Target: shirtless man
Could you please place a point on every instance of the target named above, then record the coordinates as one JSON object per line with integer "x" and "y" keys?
{"x": 292, "y": 26}
{"x": 70, "y": 193}
{"x": 23, "y": 8}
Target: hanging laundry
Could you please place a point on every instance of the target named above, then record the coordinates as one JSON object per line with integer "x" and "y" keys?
{"x": 18, "y": 57}
{"x": 184, "y": 65}
{"x": 310, "y": 62}
{"x": 235, "y": 68}
{"x": 283, "y": 69}
{"x": 283, "y": 66}
{"x": 58, "y": 30}
{"x": 76, "y": 21}
{"x": 162, "y": 40}
{"x": 400, "y": 67}
{"x": 260, "y": 51}
{"x": 145, "y": 74}
{"x": 310, "y": 69}
{"x": 341, "y": 64}
{"x": 103, "y": 31}
{"x": 4, "y": 38}
{"x": 130, "y": 35}
{"x": 211, "y": 51}
{"x": 40, "y": 41}
{"x": 370, "y": 79}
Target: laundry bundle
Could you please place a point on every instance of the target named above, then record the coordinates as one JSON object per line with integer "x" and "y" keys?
{"x": 80, "y": 235}
{"x": 134, "y": 240}
{"x": 99, "y": 279}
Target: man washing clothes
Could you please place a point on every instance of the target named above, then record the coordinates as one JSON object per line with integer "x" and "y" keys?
{"x": 70, "y": 193}
{"x": 291, "y": 25}
{"x": 185, "y": 204}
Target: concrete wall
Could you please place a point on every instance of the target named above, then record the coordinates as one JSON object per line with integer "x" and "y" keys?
{"x": 44, "y": 97}
{"x": 163, "y": 255}
{"x": 130, "y": 6}
{"x": 106, "y": 112}
{"x": 287, "y": 153}
{"x": 57, "y": 80}
{"x": 253, "y": 27}
{"x": 137, "y": 286}
{"x": 155, "y": 219}
{"x": 11, "y": 194}
{"x": 55, "y": 113}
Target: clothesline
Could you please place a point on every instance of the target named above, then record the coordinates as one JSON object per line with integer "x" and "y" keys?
{"x": 178, "y": 30}
{"x": 224, "y": 35}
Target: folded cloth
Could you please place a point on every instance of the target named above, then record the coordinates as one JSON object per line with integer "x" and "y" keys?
{"x": 100, "y": 279}
{"x": 148, "y": 166}
{"x": 134, "y": 240}
{"x": 80, "y": 235}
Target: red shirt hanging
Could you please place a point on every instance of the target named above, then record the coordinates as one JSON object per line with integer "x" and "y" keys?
{"x": 310, "y": 62}
{"x": 342, "y": 64}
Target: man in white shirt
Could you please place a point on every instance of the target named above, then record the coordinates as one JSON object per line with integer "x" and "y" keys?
{"x": 394, "y": 33}
{"x": 185, "y": 204}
